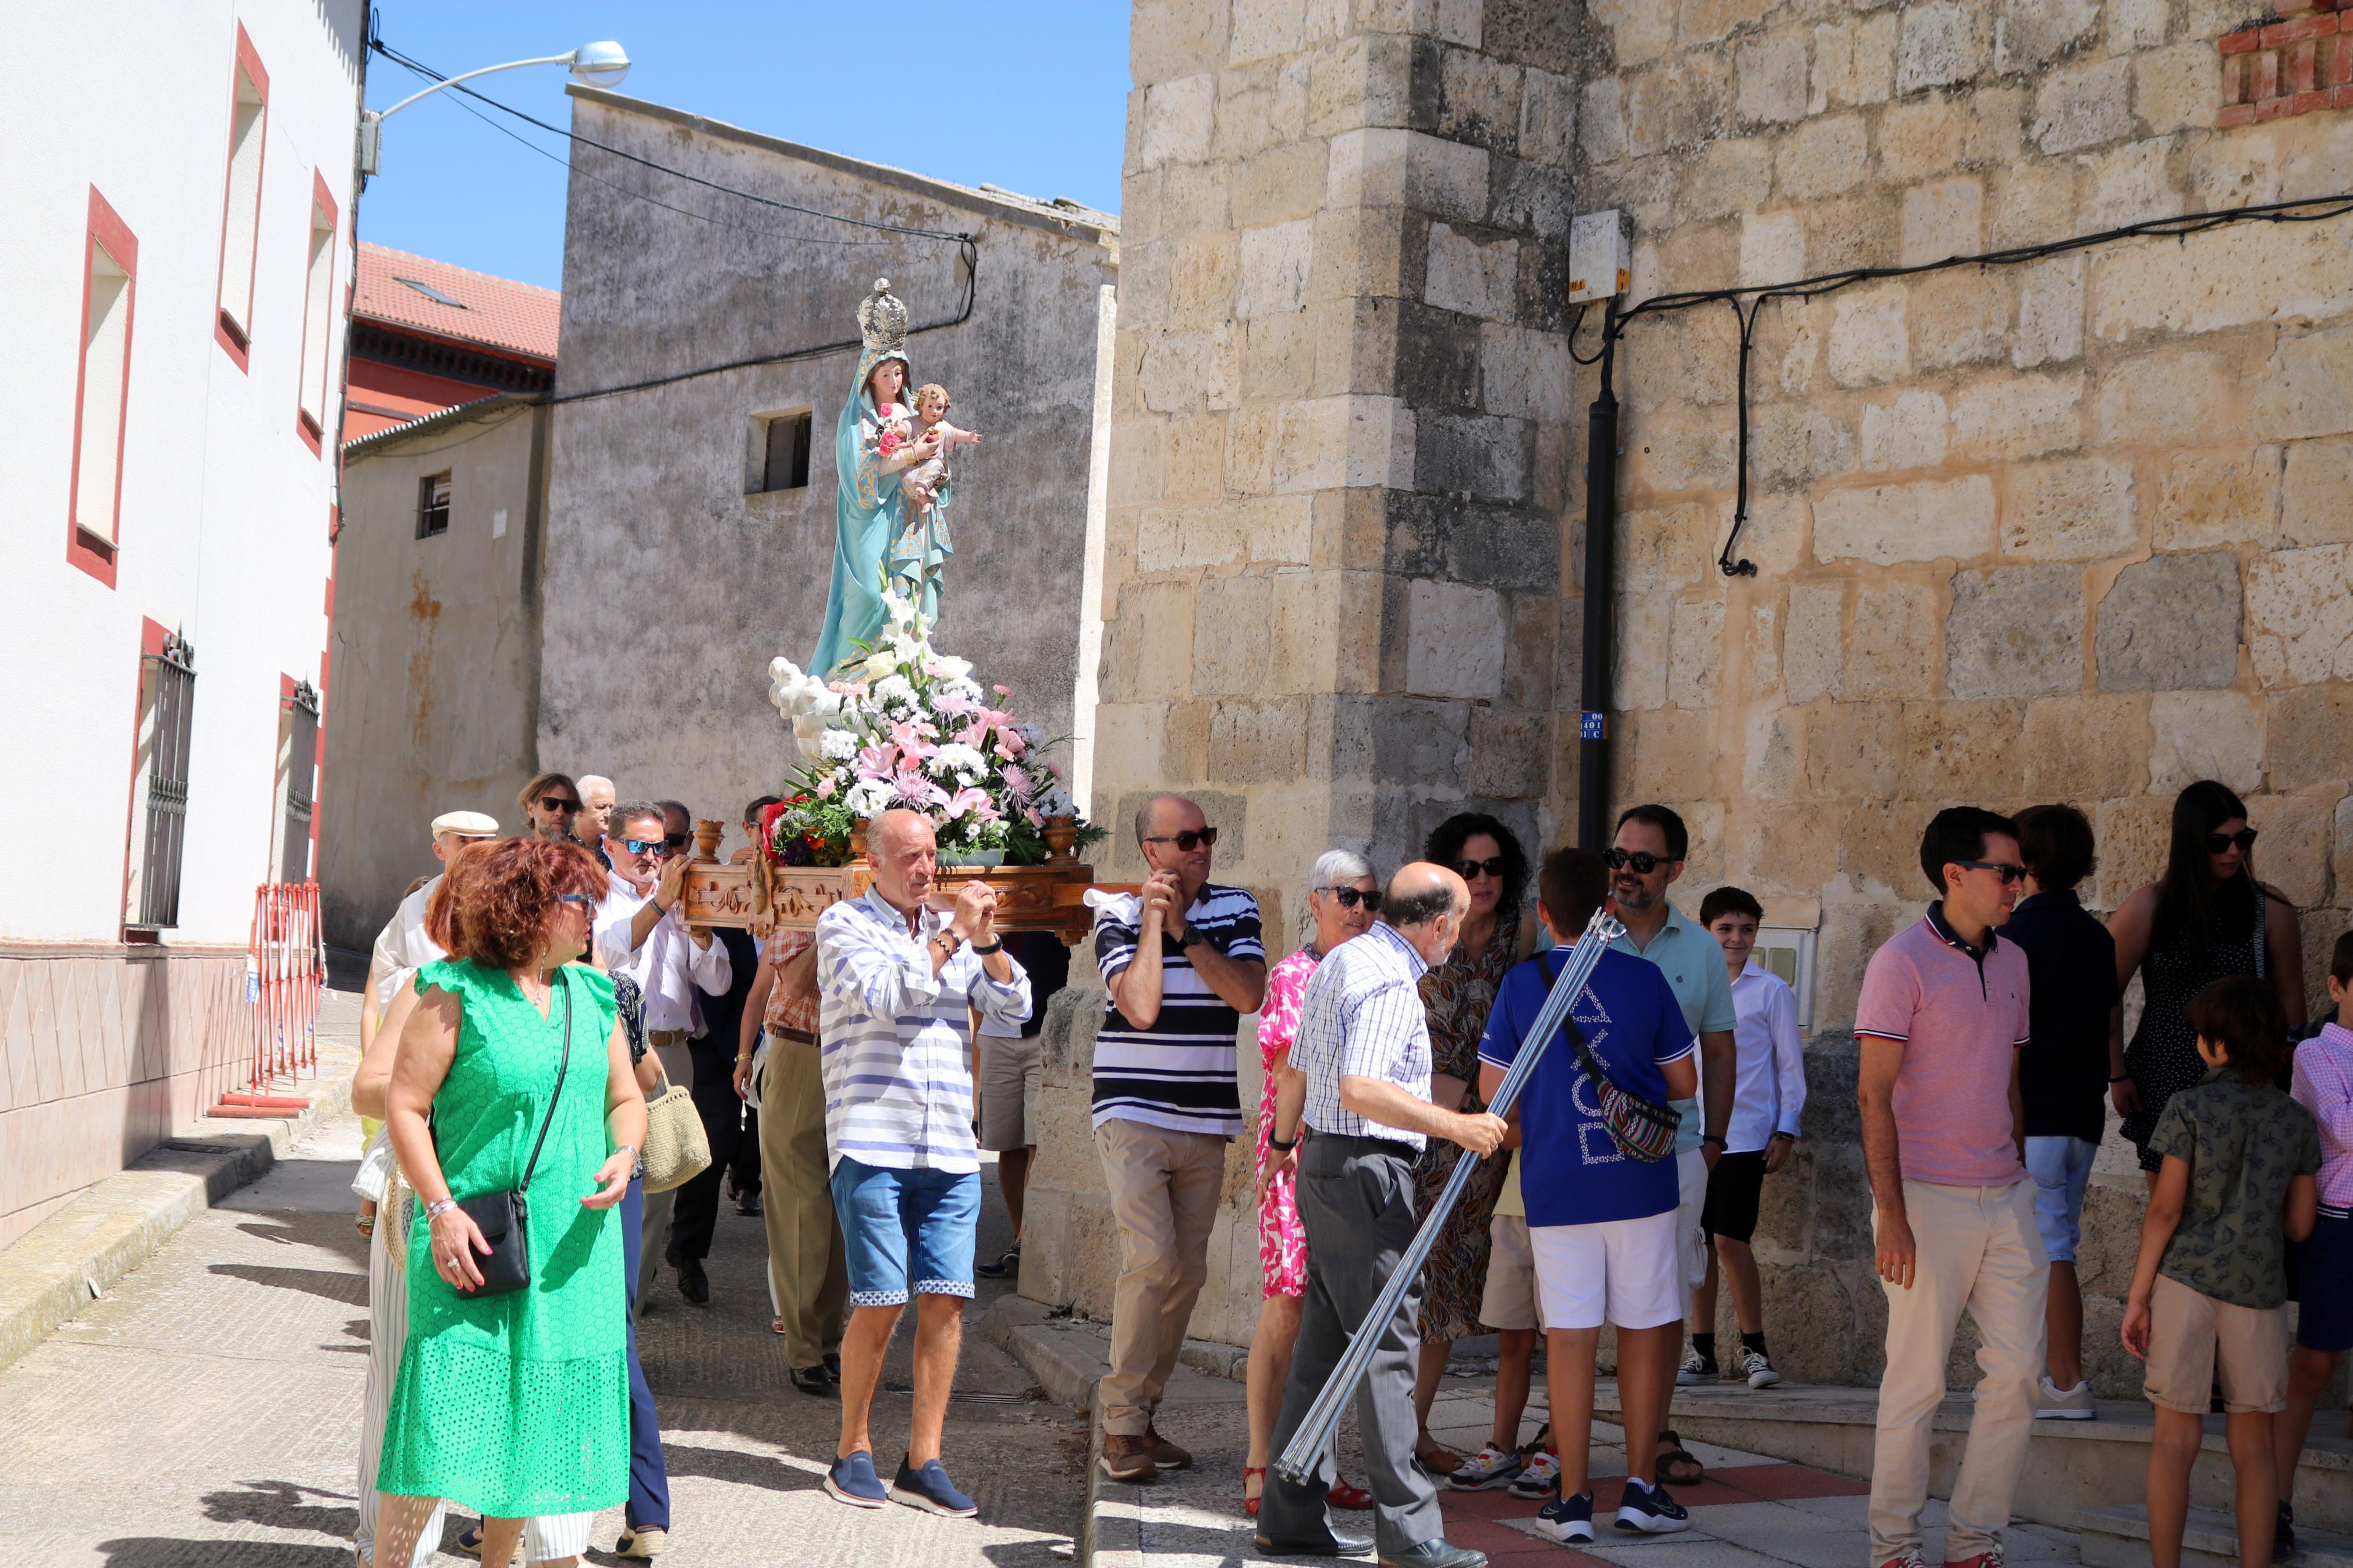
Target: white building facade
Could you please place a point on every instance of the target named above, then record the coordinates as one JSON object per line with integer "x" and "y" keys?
{"x": 179, "y": 262}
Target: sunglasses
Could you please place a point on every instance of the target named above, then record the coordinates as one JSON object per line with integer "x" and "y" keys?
{"x": 1493, "y": 867}
{"x": 583, "y": 899}
{"x": 2220, "y": 843}
{"x": 557, "y": 803}
{"x": 677, "y": 840}
{"x": 642, "y": 846}
{"x": 1188, "y": 841}
{"x": 1350, "y": 897}
{"x": 1642, "y": 860}
{"x": 2007, "y": 872}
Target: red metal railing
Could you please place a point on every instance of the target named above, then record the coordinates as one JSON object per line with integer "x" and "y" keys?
{"x": 286, "y": 970}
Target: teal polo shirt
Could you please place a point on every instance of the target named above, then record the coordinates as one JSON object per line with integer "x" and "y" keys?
{"x": 1692, "y": 962}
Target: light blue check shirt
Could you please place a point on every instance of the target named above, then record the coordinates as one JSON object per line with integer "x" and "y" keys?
{"x": 1362, "y": 1017}
{"x": 898, "y": 1083}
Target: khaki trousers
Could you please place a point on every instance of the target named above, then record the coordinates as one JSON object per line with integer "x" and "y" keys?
{"x": 808, "y": 1282}
{"x": 1164, "y": 1196}
{"x": 1978, "y": 1249}
{"x": 653, "y": 1236}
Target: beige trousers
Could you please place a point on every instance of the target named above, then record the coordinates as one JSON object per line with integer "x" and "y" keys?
{"x": 809, "y": 1281}
{"x": 1164, "y": 1196}
{"x": 653, "y": 1236}
{"x": 1979, "y": 1250}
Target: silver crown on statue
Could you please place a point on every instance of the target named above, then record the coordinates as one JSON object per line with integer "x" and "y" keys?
{"x": 882, "y": 321}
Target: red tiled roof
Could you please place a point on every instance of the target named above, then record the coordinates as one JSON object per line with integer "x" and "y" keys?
{"x": 498, "y": 313}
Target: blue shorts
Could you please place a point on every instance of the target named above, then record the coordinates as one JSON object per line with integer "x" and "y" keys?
{"x": 2323, "y": 1279}
{"x": 2062, "y": 1168}
{"x": 905, "y": 1231}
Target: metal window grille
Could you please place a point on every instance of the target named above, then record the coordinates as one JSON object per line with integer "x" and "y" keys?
{"x": 302, "y": 771}
{"x": 169, "y": 679}
{"x": 432, "y": 505}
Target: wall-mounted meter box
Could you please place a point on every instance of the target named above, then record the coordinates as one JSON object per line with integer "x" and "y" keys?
{"x": 1600, "y": 253}
{"x": 1788, "y": 951}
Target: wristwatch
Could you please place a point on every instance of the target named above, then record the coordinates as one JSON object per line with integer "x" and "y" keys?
{"x": 1192, "y": 934}
{"x": 1278, "y": 1145}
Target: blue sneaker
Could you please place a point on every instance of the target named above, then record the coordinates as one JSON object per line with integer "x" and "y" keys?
{"x": 852, "y": 1480}
{"x": 1648, "y": 1510}
{"x": 1566, "y": 1519}
{"x": 930, "y": 1490}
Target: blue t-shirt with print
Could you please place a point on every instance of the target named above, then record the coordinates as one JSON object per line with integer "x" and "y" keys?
{"x": 1571, "y": 1171}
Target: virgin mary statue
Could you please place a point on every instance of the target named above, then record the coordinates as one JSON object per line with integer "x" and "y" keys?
{"x": 874, "y": 445}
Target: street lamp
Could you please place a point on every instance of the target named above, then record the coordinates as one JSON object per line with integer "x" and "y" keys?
{"x": 592, "y": 65}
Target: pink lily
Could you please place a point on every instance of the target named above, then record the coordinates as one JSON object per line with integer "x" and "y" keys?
{"x": 967, "y": 799}
{"x": 879, "y": 761}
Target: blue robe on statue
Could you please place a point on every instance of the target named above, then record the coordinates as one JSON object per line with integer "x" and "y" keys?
{"x": 870, "y": 510}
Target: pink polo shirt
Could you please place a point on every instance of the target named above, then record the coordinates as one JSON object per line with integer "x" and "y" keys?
{"x": 1961, "y": 1021}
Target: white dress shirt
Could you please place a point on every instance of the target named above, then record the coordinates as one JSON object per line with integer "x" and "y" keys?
{"x": 667, "y": 967}
{"x": 1769, "y": 1084}
{"x": 402, "y": 948}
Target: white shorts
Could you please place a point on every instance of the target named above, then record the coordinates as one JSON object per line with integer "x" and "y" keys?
{"x": 1510, "y": 1300}
{"x": 1691, "y": 1241}
{"x": 1622, "y": 1269}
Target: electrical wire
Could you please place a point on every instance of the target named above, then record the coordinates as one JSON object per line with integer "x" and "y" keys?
{"x": 1573, "y": 323}
{"x": 380, "y": 47}
{"x": 2310, "y": 209}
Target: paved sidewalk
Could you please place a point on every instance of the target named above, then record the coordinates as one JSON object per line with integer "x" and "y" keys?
{"x": 206, "y": 1412}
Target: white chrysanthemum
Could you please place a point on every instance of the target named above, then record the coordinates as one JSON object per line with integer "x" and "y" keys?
{"x": 838, "y": 745}
{"x": 869, "y": 797}
{"x": 894, "y": 692}
{"x": 956, "y": 760}
{"x": 964, "y": 689}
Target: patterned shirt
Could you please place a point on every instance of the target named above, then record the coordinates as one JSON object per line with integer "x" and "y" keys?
{"x": 1363, "y": 1018}
{"x": 2324, "y": 1085}
{"x": 2244, "y": 1143}
{"x": 1180, "y": 1071}
{"x": 897, "y": 1082}
{"x": 788, "y": 1009}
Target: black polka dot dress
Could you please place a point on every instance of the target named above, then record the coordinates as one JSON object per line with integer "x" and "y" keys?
{"x": 2163, "y": 1056}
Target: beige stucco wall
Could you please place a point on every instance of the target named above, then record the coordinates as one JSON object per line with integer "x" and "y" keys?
{"x": 437, "y": 655}
{"x": 2069, "y": 531}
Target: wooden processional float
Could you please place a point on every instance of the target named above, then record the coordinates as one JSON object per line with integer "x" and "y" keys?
{"x": 757, "y": 894}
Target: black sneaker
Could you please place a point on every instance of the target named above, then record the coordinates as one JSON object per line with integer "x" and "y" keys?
{"x": 1008, "y": 1265}
{"x": 1648, "y": 1510}
{"x": 2284, "y": 1534}
{"x": 1696, "y": 1368}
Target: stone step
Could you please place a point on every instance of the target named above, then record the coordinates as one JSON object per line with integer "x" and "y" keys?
{"x": 2118, "y": 1537}
{"x": 2071, "y": 1465}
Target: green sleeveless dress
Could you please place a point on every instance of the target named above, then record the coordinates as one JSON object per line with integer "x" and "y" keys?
{"x": 518, "y": 1406}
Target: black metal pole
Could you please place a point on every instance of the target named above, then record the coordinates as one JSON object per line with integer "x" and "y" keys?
{"x": 1601, "y": 599}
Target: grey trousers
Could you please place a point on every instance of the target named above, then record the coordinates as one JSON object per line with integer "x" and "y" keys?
{"x": 653, "y": 1238}
{"x": 1355, "y": 1198}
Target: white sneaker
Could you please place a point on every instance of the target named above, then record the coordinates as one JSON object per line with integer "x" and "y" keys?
{"x": 1493, "y": 1467}
{"x": 1541, "y": 1479}
{"x": 1757, "y": 1369}
{"x": 2057, "y": 1404}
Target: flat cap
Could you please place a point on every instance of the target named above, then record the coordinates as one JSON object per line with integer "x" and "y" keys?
{"x": 472, "y": 823}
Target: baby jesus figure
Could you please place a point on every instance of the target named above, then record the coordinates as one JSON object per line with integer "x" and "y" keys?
{"x": 923, "y": 481}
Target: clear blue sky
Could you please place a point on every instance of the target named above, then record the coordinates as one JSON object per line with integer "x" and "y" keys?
{"x": 1030, "y": 96}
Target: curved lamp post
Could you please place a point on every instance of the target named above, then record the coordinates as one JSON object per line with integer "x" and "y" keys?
{"x": 592, "y": 65}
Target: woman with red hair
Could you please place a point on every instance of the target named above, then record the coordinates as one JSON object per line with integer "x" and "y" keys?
{"x": 515, "y": 1404}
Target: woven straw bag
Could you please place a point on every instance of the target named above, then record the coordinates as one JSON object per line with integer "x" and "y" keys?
{"x": 677, "y": 1149}
{"x": 399, "y": 1197}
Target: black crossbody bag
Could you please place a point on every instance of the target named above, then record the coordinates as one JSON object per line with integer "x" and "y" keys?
{"x": 504, "y": 1218}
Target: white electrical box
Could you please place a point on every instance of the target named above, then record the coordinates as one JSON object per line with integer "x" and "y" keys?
{"x": 1788, "y": 951}
{"x": 1600, "y": 251}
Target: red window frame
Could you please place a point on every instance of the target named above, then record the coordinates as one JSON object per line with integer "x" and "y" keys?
{"x": 308, "y": 428}
{"x": 237, "y": 345}
{"x": 85, "y": 548}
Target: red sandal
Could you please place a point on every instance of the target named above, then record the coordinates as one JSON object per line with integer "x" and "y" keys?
{"x": 1249, "y": 1503}
{"x": 1342, "y": 1495}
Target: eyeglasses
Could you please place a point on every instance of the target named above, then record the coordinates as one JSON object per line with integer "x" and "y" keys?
{"x": 583, "y": 899}
{"x": 2220, "y": 843}
{"x": 1493, "y": 867}
{"x": 1349, "y": 898}
{"x": 1642, "y": 860}
{"x": 2007, "y": 872}
{"x": 557, "y": 803}
{"x": 1188, "y": 841}
{"x": 641, "y": 846}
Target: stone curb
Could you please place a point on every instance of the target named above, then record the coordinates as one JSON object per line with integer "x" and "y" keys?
{"x": 52, "y": 1273}
{"x": 1067, "y": 1359}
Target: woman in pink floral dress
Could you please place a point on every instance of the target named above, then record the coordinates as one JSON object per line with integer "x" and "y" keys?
{"x": 1341, "y": 902}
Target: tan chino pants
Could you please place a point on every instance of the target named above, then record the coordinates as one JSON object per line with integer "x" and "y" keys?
{"x": 1164, "y": 1196}
{"x": 1978, "y": 1251}
{"x": 809, "y": 1281}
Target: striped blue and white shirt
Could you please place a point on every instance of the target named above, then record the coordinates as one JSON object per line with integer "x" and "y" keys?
{"x": 1179, "y": 1073}
{"x": 898, "y": 1083}
{"x": 1363, "y": 1018}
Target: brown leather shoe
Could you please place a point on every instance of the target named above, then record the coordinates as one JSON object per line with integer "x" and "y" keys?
{"x": 1167, "y": 1455}
{"x": 1128, "y": 1459}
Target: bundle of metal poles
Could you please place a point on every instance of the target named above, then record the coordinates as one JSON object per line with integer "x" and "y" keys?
{"x": 1298, "y": 1460}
